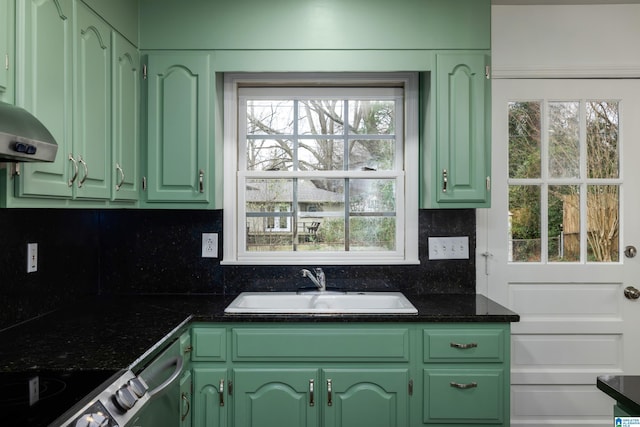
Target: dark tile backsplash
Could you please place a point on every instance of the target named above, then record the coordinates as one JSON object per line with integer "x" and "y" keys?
{"x": 86, "y": 252}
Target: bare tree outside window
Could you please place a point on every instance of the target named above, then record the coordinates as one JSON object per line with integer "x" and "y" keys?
{"x": 316, "y": 135}
{"x": 580, "y": 141}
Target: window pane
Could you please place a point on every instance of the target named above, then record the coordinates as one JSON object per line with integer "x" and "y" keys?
{"x": 372, "y": 195}
{"x": 263, "y": 195}
{"x": 269, "y": 154}
{"x": 524, "y": 224}
{"x": 330, "y": 235}
{"x": 524, "y": 139}
{"x": 372, "y": 233}
{"x": 603, "y": 209}
{"x": 564, "y": 140}
{"x": 269, "y": 117}
{"x": 321, "y": 154}
{"x": 602, "y": 139}
{"x": 564, "y": 223}
{"x": 372, "y": 117}
{"x": 263, "y": 237}
{"x": 377, "y": 154}
{"x": 321, "y": 195}
{"x": 321, "y": 117}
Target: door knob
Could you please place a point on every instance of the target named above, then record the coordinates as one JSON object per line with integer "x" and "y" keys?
{"x": 631, "y": 293}
{"x": 630, "y": 251}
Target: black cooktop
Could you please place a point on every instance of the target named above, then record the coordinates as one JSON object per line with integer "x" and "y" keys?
{"x": 56, "y": 392}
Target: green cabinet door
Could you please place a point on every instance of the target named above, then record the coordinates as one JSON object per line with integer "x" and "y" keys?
{"x": 210, "y": 397}
{"x": 7, "y": 20}
{"x": 462, "y": 170}
{"x": 365, "y": 397}
{"x": 92, "y": 105}
{"x": 126, "y": 120}
{"x": 44, "y": 46}
{"x": 179, "y": 128}
{"x": 276, "y": 397}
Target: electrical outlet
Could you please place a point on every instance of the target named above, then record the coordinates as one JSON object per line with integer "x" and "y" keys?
{"x": 449, "y": 247}
{"x": 209, "y": 245}
{"x": 34, "y": 390}
{"x": 32, "y": 257}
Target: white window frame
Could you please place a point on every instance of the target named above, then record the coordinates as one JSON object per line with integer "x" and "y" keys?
{"x": 407, "y": 190}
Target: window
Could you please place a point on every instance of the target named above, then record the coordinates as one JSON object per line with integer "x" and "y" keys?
{"x": 564, "y": 181}
{"x": 321, "y": 169}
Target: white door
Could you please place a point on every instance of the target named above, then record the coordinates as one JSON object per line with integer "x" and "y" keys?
{"x": 566, "y": 203}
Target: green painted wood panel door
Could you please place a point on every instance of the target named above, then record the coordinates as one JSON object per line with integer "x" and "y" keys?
{"x": 92, "y": 105}
{"x": 276, "y": 397}
{"x": 462, "y": 130}
{"x": 126, "y": 120}
{"x": 209, "y": 397}
{"x": 366, "y": 397}
{"x": 44, "y": 43}
{"x": 6, "y": 49}
{"x": 179, "y": 127}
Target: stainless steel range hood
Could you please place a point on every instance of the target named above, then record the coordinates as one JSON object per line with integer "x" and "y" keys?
{"x": 23, "y": 138}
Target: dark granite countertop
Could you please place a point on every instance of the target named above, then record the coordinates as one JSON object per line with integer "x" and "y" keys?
{"x": 625, "y": 389}
{"x": 118, "y": 332}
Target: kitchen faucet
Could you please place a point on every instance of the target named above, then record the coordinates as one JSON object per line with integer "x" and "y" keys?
{"x": 319, "y": 279}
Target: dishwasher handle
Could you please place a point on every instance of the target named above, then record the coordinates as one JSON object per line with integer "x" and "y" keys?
{"x": 175, "y": 361}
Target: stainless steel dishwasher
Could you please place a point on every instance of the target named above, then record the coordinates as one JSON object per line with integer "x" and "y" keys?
{"x": 151, "y": 398}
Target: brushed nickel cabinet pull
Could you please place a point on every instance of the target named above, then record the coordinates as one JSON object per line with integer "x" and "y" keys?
{"x": 201, "y": 181}
{"x": 311, "y": 398}
{"x": 329, "y": 391}
{"x": 185, "y": 399}
{"x": 221, "y": 392}
{"x": 464, "y": 346}
{"x": 86, "y": 171}
{"x": 410, "y": 387}
{"x": 463, "y": 386}
{"x": 444, "y": 180}
{"x": 75, "y": 170}
{"x": 144, "y": 72}
{"x": 121, "y": 173}
{"x": 144, "y": 183}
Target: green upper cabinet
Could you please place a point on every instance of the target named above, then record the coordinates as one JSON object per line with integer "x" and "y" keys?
{"x": 7, "y": 20}
{"x": 81, "y": 78}
{"x": 460, "y": 168}
{"x": 179, "y": 128}
{"x": 126, "y": 120}
{"x": 44, "y": 87}
{"x": 92, "y": 106}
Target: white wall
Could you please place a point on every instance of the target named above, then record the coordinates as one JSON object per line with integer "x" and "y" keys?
{"x": 566, "y": 41}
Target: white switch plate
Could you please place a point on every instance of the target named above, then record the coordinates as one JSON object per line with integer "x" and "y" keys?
{"x": 34, "y": 390}
{"x": 449, "y": 247}
{"x": 32, "y": 257}
{"x": 209, "y": 245}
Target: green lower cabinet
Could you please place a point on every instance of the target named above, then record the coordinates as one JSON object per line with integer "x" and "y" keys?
{"x": 339, "y": 375}
{"x": 275, "y": 397}
{"x": 463, "y": 396}
{"x": 365, "y": 397}
{"x": 210, "y": 397}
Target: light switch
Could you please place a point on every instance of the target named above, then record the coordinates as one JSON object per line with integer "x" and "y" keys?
{"x": 449, "y": 247}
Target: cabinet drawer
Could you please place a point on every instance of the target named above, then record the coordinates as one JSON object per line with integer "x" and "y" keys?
{"x": 447, "y": 346}
{"x": 463, "y": 396}
{"x": 209, "y": 344}
{"x": 321, "y": 344}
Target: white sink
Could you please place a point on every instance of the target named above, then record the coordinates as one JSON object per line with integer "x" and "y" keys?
{"x": 319, "y": 303}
